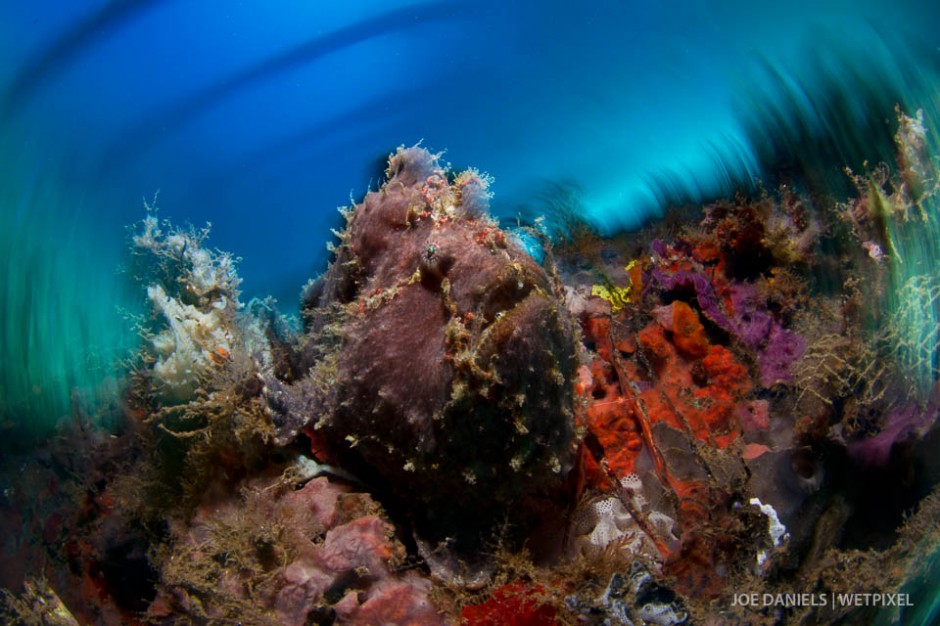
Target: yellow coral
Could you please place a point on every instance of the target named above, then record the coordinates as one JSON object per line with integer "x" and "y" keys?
{"x": 618, "y": 297}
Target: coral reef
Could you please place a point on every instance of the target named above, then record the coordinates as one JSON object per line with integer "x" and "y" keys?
{"x": 475, "y": 426}
{"x": 734, "y": 372}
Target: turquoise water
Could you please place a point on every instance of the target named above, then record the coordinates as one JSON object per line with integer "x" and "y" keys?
{"x": 66, "y": 304}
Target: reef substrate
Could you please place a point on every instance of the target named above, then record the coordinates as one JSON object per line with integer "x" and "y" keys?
{"x": 480, "y": 425}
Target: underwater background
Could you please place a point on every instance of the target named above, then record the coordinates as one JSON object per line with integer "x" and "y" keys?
{"x": 264, "y": 118}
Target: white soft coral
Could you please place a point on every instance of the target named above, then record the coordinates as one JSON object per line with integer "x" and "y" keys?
{"x": 195, "y": 292}
{"x": 192, "y": 340}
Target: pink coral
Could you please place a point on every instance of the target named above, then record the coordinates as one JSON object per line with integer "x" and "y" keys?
{"x": 755, "y": 415}
{"x": 358, "y": 551}
{"x": 291, "y": 556}
{"x": 404, "y": 603}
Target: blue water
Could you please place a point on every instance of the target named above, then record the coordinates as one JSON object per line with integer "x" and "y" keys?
{"x": 263, "y": 119}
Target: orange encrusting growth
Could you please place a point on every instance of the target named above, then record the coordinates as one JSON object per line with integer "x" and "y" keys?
{"x": 688, "y": 334}
{"x": 697, "y": 397}
{"x": 670, "y": 373}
